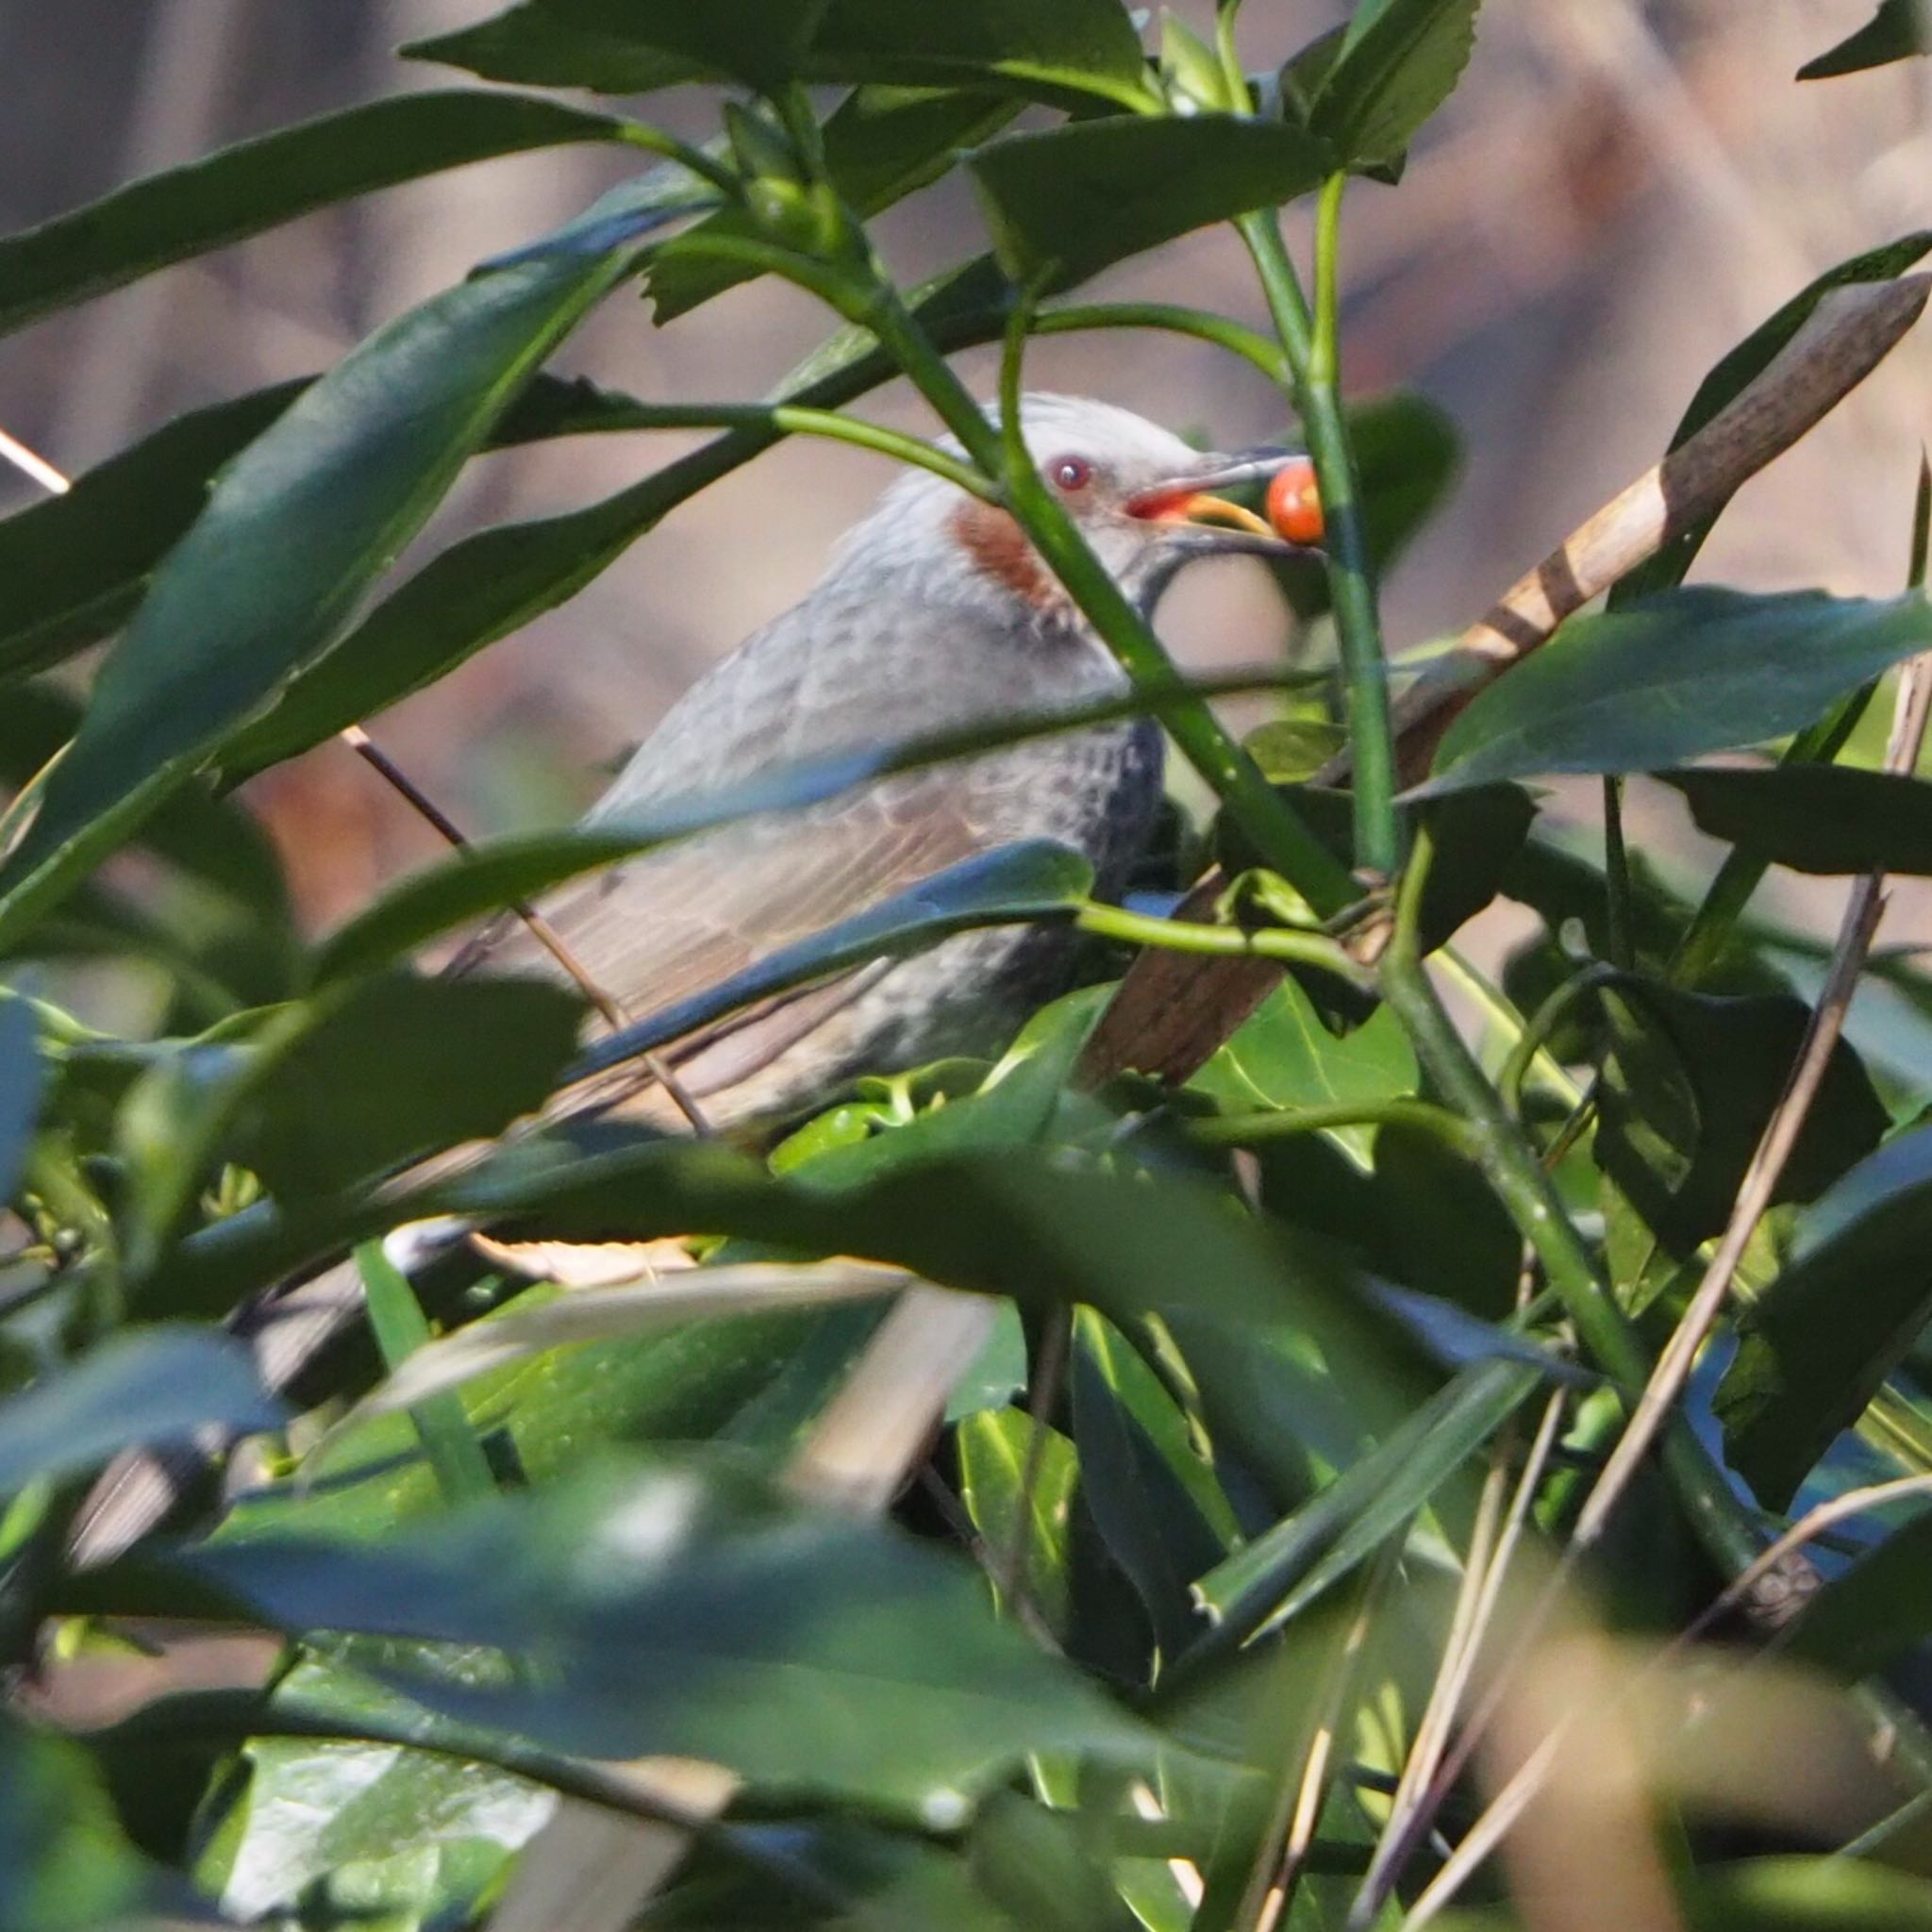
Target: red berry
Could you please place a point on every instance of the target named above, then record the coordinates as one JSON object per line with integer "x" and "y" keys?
{"x": 1294, "y": 503}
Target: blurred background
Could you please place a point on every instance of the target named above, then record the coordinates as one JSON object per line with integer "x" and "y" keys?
{"x": 1617, "y": 192}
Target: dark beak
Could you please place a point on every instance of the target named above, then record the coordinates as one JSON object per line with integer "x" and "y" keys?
{"x": 1211, "y": 522}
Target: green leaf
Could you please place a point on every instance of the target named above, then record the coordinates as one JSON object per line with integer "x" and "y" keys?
{"x": 1073, "y": 200}
{"x": 1399, "y": 63}
{"x": 1131, "y": 1480}
{"x": 1071, "y": 51}
{"x": 532, "y": 46}
{"x": 64, "y": 1863}
{"x": 1898, "y": 30}
{"x": 259, "y": 184}
{"x": 1854, "y": 1296}
{"x": 1280, "y": 1573}
{"x": 493, "y": 583}
{"x": 361, "y": 1830}
{"x": 1816, "y": 818}
{"x": 1682, "y": 675}
{"x": 993, "y": 1447}
{"x": 74, "y": 565}
{"x": 1729, "y": 379}
{"x": 1284, "y": 1056}
{"x": 1876, "y": 1613}
{"x": 660, "y": 1614}
{"x": 297, "y": 525}
{"x": 402, "y": 1067}
{"x": 159, "y": 1386}
{"x": 1014, "y": 885}
{"x": 20, "y": 1088}
{"x": 1693, "y": 1082}
{"x": 881, "y": 144}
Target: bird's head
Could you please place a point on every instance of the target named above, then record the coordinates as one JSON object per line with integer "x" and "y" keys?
{"x": 1144, "y": 500}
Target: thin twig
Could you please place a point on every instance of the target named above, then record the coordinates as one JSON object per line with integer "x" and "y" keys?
{"x": 1422, "y": 1790}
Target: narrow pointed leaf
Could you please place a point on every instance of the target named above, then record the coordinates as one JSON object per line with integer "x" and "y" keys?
{"x": 298, "y": 525}
{"x": 1683, "y": 674}
{"x": 259, "y": 184}
{"x": 159, "y": 1386}
{"x": 1816, "y": 818}
{"x": 810, "y": 1652}
{"x": 74, "y": 565}
{"x": 489, "y": 584}
{"x": 1898, "y": 30}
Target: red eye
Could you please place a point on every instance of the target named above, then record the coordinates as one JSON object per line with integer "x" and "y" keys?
{"x": 1071, "y": 473}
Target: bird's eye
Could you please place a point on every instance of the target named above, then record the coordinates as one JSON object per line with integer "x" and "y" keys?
{"x": 1071, "y": 473}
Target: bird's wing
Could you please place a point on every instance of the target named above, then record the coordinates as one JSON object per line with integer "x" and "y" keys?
{"x": 661, "y": 928}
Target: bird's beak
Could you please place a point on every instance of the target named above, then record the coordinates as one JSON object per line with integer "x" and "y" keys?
{"x": 1191, "y": 501}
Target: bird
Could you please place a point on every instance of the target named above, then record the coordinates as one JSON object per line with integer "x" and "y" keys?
{"x": 935, "y": 612}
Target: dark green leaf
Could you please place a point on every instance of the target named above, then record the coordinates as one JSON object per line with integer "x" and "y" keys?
{"x": 881, "y": 144}
{"x": 809, "y": 1650}
{"x": 1898, "y": 30}
{"x": 1271, "y": 1579}
{"x": 64, "y": 1864}
{"x": 74, "y": 565}
{"x": 159, "y": 1386}
{"x": 261, "y": 183}
{"x": 1133, "y": 1489}
{"x": 1855, "y": 1294}
{"x": 1693, "y": 1081}
{"x": 20, "y": 1088}
{"x": 491, "y": 584}
{"x": 1074, "y": 49}
{"x": 1014, "y": 885}
{"x": 1400, "y": 62}
{"x": 1747, "y": 361}
{"x": 1075, "y": 199}
{"x": 1877, "y": 1612}
{"x": 1816, "y": 818}
{"x": 532, "y": 45}
{"x": 401, "y": 1067}
{"x": 298, "y": 525}
{"x": 1682, "y": 675}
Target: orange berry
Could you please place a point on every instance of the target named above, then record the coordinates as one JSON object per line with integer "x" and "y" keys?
{"x": 1294, "y": 503}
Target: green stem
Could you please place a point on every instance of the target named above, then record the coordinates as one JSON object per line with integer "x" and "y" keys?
{"x": 442, "y": 1423}
{"x": 1280, "y": 942}
{"x": 1723, "y": 1524}
{"x": 654, "y": 141}
{"x": 1621, "y": 934}
{"x": 794, "y": 419}
{"x": 1250, "y": 344}
{"x": 1274, "y": 827}
{"x": 1253, "y": 1129}
{"x": 1544, "y": 1022}
{"x": 1702, "y": 942}
{"x": 1351, "y": 573}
